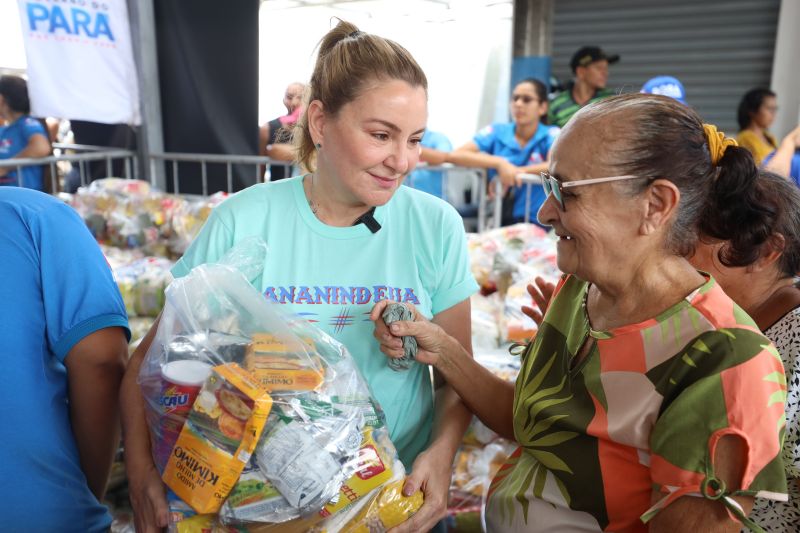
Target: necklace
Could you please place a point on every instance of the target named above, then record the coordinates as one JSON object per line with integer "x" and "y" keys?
{"x": 311, "y": 203}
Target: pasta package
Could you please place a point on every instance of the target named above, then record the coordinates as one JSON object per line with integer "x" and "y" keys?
{"x": 388, "y": 509}
{"x": 218, "y": 438}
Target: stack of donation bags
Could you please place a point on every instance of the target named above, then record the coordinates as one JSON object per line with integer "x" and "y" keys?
{"x": 260, "y": 421}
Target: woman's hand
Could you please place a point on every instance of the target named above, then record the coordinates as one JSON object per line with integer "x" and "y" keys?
{"x": 430, "y": 337}
{"x": 433, "y": 157}
{"x": 541, "y": 293}
{"x": 148, "y": 498}
{"x": 431, "y": 474}
{"x": 508, "y": 174}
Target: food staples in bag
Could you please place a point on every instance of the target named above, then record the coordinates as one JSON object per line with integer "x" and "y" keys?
{"x": 374, "y": 469}
{"x": 393, "y": 313}
{"x": 255, "y": 499}
{"x": 216, "y": 444}
{"x": 181, "y": 383}
{"x": 388, "y": 509}
{"x": 284, "y": 366}
{"x": 296, "y": 465}
{"x": 339, "y": 419}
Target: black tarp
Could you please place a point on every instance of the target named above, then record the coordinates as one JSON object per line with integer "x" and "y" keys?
{"x": 208, "y": 73}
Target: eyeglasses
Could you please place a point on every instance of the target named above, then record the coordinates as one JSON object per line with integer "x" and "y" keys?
{"x": 555, "y": 187}
{"x": 526, "y": 99}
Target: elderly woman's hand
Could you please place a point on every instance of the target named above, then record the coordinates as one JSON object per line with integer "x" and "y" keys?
{"x": 430, "y": 337}
{"x": 541, "y": 293}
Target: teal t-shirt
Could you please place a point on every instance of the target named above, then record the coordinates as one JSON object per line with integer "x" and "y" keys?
{"x": 333, "y": 276}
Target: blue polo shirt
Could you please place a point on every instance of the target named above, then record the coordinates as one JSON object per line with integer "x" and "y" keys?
{"x": 794, "y": 169}
{"x": 499, "y": 140}
{"x": 57, "y": 289}
{"x": 13, "y": 139}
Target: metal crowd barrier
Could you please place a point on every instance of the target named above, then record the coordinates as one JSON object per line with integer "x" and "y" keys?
{"x": 489, "y": 209}
{"x": 92, "y": 153}
{"x": 220, "y": 159}
{"x": 529, "y": 181}
{"x": 485, "y": 216}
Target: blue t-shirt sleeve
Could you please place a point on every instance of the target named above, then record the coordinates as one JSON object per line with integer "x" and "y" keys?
{"x": 79, "y": 292}
{"x": 552, "y": 135}
{"x": 31, "y": 127}
{"x": 215, "y": 238}
{"x": 455, "y": 281}
{"x": 485, "y": 139}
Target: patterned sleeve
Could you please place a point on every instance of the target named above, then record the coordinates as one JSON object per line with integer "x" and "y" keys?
{"x": 724, "y": 382}
{"x": 786, "y": 336}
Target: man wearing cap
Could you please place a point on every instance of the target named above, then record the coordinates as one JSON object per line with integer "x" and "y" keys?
{"x": 590, "y": 66}
{"x": 666, "y": 86}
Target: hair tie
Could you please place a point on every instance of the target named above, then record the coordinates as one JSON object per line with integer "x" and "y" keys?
{"x": 717, "y": 142}
{"x": 355, "y": 34}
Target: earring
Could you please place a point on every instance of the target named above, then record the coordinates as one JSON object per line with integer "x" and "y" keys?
{"x": 318, "y": 146}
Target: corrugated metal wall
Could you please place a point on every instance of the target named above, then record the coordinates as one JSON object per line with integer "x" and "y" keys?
{"x": 717, "y": 48}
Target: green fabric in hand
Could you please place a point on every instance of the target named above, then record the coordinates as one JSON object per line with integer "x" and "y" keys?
{"x": 393, "y": 313}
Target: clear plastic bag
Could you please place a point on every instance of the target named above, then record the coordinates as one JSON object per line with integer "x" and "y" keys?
{"x": 325, "y": 443}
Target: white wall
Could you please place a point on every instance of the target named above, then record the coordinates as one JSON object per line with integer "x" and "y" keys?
{"x": 785, "y": 76}
{"x": 455, "y": 55}
{"x": 12, "y": 49}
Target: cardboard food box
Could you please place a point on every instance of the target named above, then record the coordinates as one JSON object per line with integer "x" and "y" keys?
{"x": 284, "y": 366}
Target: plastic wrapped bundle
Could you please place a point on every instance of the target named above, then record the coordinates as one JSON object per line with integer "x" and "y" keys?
{"x": 324, "y": 445}
{"x": 187, "y": 218}
{"x": 142, "y": 284}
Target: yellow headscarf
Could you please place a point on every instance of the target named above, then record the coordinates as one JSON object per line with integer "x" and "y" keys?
{"x": 717, "y": 142}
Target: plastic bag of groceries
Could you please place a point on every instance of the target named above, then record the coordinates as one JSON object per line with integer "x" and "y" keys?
{"x": 256, "y": 415}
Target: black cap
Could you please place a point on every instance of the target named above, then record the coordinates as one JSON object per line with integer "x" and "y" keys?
{"x": 587, "y": 55}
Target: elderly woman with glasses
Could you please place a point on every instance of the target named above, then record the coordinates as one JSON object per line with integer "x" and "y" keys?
{"x": 648, "y": 401}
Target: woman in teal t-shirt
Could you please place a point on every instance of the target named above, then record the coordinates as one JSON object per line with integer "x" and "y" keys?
{"x": 341, "y": 239}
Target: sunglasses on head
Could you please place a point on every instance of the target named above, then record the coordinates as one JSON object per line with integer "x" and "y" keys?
{"x": 553, "y": 186}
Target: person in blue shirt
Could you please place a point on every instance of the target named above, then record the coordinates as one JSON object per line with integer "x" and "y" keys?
{"x": 63, "y": 340}
{"x": 22, "y": 136}
{"x": 510, "y": 149}
{"x": 786, "y": 159}
{"x": 426, "y": 180}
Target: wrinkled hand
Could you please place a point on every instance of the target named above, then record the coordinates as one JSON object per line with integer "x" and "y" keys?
{"x": 430, "y": 474}
{"x": 148, "y": 499}
{"x": 541, "y": 293}
{"x": 430, "y": 337}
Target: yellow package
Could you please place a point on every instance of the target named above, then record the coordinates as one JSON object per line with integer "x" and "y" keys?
{"x": 281, "y": 366}
{"x": 389, "y": 509}
{"x": 219, "y": 436}
{"x": 374, "y": 470}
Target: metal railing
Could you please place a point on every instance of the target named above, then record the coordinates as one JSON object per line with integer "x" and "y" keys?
{"x": 489, "y": 207}
{"x": 529, "y": 181}
{"x": 93, "y": 154}
{"x": 219, "y": 159}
